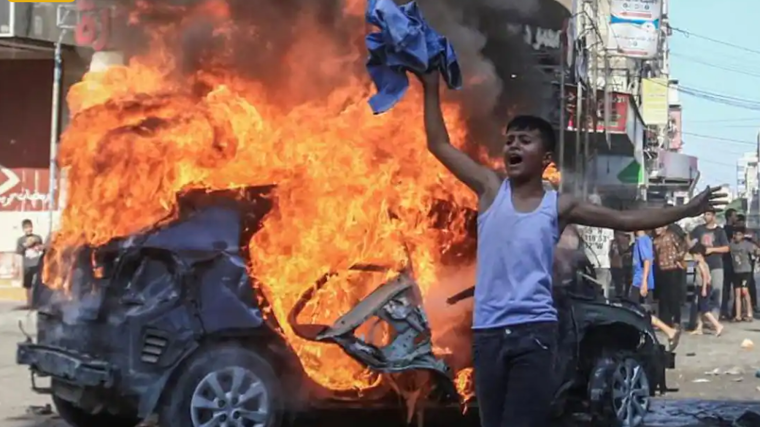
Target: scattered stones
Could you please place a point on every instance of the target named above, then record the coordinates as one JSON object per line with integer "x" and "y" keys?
{"x": 734, "y": 371}
{"x": 714, "y": 372}
{"x": 701, "y": 380}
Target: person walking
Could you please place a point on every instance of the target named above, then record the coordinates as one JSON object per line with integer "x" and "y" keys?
{"x": 621, "y": 263}
{"x": 519, "y": 224}
{"x": 669, "y": 254}
{"x": 714, "y": 239}
{"x": 703, "y": 279}
{"x": 644, "y": 283}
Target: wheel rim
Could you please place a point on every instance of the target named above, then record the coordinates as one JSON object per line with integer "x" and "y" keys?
{"x": 630, "y": 393}
{"x": 230, "y": 397}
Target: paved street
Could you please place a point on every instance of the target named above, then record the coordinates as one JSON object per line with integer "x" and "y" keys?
{"x": 716, "y": 378}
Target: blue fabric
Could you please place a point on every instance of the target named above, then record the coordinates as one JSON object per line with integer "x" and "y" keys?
{"x": 514, "y": 263}
{"x": 643, "y": 250}
{"x": 404, "y": 43}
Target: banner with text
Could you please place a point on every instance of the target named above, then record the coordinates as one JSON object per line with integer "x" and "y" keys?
{"x": 634, "y": 28}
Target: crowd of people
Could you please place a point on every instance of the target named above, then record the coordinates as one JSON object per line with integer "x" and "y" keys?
{"x": 657, "y": 266}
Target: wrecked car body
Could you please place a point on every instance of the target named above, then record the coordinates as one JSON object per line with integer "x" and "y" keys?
{"x": 168, "y": 323}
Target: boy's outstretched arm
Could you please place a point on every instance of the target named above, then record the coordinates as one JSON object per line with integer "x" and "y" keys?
{"x": 574, "y": 211}
{"x": 479, "y": 178}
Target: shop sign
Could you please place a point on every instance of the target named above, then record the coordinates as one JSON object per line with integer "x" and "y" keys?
{"x": 676, "y": 166}
{"x": 674, "y": 128}
{"x": 634, "y": 28}
{"x": 24, "y": 189}
{"x": 615, "y": 171}
{"x": 95, "y": 25}
{"x": 654, "y": 101}
{"x": 619, "y": 110}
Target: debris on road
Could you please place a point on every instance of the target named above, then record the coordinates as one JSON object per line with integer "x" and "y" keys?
{"x": 39, "y": 410}
{"x": 701, "y": 380}
{"x": 747, "y": 344}
{"x": 734, "y": 371}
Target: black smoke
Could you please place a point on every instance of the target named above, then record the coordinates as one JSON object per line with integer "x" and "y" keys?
{"x": 501, "y": 74}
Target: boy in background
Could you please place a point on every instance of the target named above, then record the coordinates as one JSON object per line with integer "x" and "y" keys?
{"x": 741, "y": 252}
{"x": 643, "y": 283}
{"x": 704, "y": 281}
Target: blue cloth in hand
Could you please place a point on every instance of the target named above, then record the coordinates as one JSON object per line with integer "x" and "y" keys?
{"x": 404, "y": 43}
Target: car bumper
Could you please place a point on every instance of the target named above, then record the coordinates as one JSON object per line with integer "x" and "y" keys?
{"x": 65, "y": 365}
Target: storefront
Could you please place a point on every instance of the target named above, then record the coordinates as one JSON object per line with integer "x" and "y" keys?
{"x": 28, "y": 35}
{"x": 614, "y": 167}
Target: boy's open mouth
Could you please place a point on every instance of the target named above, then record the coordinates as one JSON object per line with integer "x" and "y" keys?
{"x": 514, "y": 159}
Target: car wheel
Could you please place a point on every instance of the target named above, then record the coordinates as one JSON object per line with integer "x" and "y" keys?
{"x": 77, "y": 417}
{"x": 628, "y": 397}
{"x": 224, "y": 385}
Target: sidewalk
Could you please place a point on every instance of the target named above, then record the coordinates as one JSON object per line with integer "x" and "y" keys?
{"x": 11, "y": 293}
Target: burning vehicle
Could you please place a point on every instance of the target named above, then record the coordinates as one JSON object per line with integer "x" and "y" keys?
{"x": 169, "y": 323}
{"x": 307, "y": 261}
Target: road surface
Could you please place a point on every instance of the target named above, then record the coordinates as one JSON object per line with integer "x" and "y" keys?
{"x": 715, "y": 377}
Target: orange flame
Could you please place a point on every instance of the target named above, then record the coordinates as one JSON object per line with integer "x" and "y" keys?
{"x": 351, "y": 187}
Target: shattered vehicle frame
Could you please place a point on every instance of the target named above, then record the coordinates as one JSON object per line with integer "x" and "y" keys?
{"x": 168, "y": 323}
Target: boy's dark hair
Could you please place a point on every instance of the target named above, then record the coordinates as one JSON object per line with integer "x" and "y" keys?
{"x": 536, "y": 123}
{"x": 698, "y": 249}
{"x": 741, "y": 230}
{"x": 741, "y": 217}
{"x": 730, "y": 212}
{"x": 26, "y": 222}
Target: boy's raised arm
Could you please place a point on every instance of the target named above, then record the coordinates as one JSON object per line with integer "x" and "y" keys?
{"x": 574, "y": 211}
{"x": 476, "y": 176}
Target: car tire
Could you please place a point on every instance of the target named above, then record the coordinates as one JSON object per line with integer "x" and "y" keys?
{"x": 223, "y": 381}
{"x": 627, "y": 398}
{"x": 77, "y": 417}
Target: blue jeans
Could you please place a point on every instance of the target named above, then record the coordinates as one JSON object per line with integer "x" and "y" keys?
{"x": 514, "y": 374}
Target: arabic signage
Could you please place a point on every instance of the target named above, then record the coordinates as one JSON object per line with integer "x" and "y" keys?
{"x": 634, "y": 29}
{"x": 674, "y": 128}
{"x": 537, "y": 38}
{"x": 619, "y": 106}
{"x": 24, "y": 189}
{"x": 654, "y": 101}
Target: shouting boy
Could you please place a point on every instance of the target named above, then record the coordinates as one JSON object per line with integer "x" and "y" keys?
{"x": 519, "y": 223}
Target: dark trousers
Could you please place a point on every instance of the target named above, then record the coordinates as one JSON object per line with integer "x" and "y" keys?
{"x": 514, "y": 374}
{"x": 668, "y": 285}
{"x": 752, "y": 288}
{"x": 727, "y": 309}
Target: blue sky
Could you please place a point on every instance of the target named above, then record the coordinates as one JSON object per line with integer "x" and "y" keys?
{"x": 735, "y": 22}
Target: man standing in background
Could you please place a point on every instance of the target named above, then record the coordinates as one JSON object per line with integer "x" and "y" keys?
{"x": 29, "y": 246}
{"x": 596, "y": 245}
{"x": 714, "y": 239}
{"x": 621, "y": 263}
{"x": 728, "y": 266}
